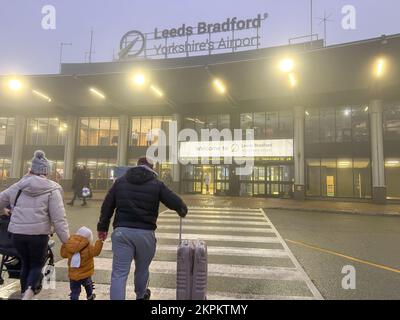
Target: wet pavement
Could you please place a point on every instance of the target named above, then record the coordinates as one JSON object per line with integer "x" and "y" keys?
{"x": 271, "y": 254}
{"x": 333, "y": 206}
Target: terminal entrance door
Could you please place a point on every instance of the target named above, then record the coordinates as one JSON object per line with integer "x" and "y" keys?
{"x": 206, "y": 179}
{"x": 269, "y": 181}
{"x": 275, "y": 181}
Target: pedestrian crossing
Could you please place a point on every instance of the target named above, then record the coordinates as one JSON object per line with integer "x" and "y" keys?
{"x": 248, "y": 259}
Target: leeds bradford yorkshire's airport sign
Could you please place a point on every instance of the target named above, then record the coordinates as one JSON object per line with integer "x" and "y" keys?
{"x": 188, "y": 39}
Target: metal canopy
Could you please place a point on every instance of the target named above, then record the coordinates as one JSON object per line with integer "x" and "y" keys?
{"x": 252, "y": 79}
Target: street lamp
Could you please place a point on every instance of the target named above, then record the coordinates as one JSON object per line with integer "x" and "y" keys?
{"x": 219, "y": 86}
{"x": 14, "y": 85}
{"x": 380, "y": 67}
{"x": 286, "y": 65}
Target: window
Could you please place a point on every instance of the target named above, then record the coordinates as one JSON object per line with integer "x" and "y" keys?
{"x": 101, "y": 172}
{"x": 98, "y": 132}
{"x": 360, "y": 124}
{"x": 327, "y": 125}
{"x": 341, "y": 125}
{"x": 392, "y": 170}
{"x": 259, "y": 126}
{"x": 345, "y": 178}
{"x": 314, "y": 177}
{"x": 5, "y": 170}
{"x": 392, "y": 123}
{"x": 145, "y": 131}
{"x": 46, "y": 132}
{"x": 270, "y": 125}
{"x": 312, "y": 126}
{"x": 7, "y": 128}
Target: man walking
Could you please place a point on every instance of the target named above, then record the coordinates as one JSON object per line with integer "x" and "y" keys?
{"x": 80, "y": 180}
{"x": 135, "y": 197}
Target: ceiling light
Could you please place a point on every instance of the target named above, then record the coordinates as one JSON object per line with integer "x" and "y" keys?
{"x": 97, "y": 93}
{"x": 41, "y": 95}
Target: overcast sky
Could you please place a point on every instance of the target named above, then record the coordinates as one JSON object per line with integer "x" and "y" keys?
{"x": 27, "y": 48}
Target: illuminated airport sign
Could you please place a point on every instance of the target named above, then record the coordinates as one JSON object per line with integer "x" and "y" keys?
{"x": 282, "y": 148}
{"x": 187, "y": 39}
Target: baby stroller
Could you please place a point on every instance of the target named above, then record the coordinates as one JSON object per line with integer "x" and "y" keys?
{"x": 11, "y": 263}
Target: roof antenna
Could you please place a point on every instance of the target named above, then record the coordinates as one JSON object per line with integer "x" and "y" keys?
{"x": 91, "y": 46}
{"x": 324, "y": 20}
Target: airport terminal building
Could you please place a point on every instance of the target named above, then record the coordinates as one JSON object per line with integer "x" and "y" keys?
{"x": 338, "y": 107}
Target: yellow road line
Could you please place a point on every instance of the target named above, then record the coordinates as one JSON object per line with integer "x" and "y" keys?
{"x": 379, "y": 266}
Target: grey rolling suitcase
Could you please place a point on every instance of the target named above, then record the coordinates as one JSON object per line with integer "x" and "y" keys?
{"x": 191, "y": 273}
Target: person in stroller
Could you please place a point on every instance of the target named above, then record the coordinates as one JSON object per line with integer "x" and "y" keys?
{"x": 80, "y": 253}
{"x": 37, "y": 208}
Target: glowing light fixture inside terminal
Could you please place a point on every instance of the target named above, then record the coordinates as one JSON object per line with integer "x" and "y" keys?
{"x": 380, "y": 66}
{"x": 41, "y": 95}
{"x": 219, "y": 86}
{"x": 139, "y": 79}
{"x": 157, "y": 91}
{"x": 15, "y": 85}
{"x": 292, "y": 80}
{"x": 97, "y": 93}
{"x": 286, "y": 65}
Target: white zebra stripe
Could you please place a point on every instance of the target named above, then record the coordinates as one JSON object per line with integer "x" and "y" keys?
{"x": 221, "y": 213}
{"x": 224, "y": 251}
{"x": 103, "y": 293}
{"x": 224, "y": 209}
{"x": 214, "y": 270}
{"x": 187, "y": 221}
{"x": 203, "y": 228}
{"x": 216, "y": 237}
{"x": 202, "y": 216}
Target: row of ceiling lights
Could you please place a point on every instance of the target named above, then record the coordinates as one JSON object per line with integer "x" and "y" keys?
{"x": 287, "y": 66}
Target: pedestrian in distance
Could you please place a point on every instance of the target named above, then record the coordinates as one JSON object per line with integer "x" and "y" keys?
{"x": 37, "y": 207}
{"x": 135, "y": 199}
{"x": 80, "y": 180}
{"x": 80, "y": 254}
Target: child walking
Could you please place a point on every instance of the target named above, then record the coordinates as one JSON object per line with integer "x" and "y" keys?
{"x": 80, "y": 253}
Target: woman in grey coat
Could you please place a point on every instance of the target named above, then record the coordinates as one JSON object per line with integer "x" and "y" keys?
{"x": 39, "y": 208}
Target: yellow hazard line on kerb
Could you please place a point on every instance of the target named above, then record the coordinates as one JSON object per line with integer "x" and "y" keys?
{"x": 379, "y": 266}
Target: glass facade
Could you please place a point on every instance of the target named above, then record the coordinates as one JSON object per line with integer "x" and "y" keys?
{"x": 268, "y": 180}
{"x": 5, "y": 170}
{"x": 98, "y": 131}
{"x": 101, "y": 172}
{"x": 392, "y": 171}
{"x": 391, "y": 123}
{"x": 7, "y": 129}
{"x": 342, "y": 178}
{"x": 213, "y": 121}
{"x": 337, "y": 125}
{"x": 145, "y": 130}
{"x": 206, "y": 179}
{"x": 268, "y": 125}
{"x": 46, "y": 132}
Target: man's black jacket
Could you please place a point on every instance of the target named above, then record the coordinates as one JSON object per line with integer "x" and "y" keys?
{"x": 135, "y": 198}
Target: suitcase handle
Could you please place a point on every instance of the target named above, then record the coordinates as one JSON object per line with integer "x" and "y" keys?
{"x": 180, "y": 229}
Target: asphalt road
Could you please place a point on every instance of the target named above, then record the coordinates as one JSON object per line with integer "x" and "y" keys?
{"x": 373, "y": 239}
{"x": 315, "y": 239}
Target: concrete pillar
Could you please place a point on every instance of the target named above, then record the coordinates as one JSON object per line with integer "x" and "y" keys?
{"x": 176, "y": 167}
{"x": 18, "y": 147}
{"x": 377, "y": 155}
{"x": 123, "y": 141}
{"x": 299, "y": 159}
{"x": 69, "y": 150}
